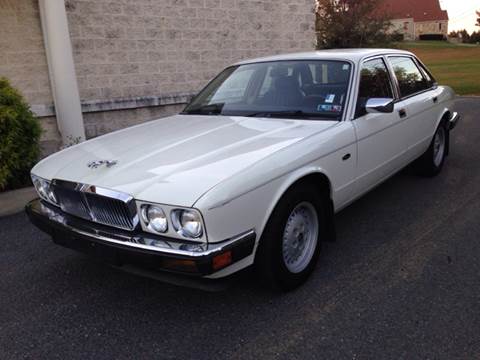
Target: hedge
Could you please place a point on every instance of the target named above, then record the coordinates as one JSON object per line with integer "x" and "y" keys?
{"x": 19, "y": 138}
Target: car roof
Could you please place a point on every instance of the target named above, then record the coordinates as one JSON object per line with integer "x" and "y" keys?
{"x": 354, "y": 55}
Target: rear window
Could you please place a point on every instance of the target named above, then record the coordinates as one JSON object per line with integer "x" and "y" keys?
{"x": 410, "y": 79}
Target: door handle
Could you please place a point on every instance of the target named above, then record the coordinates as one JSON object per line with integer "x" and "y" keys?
{"x": 402, "y": 113}
{"x": 435, "y": 99}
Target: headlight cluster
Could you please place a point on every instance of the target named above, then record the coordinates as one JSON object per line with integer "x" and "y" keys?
{"x": 185, "y": 222}
{"x": 154, "y": 218}
{"x": 44, "y": 190}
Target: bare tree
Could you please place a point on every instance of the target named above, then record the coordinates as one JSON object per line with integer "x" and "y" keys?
{"x": 478, "y": 19}
{"x": 351, "y": 23}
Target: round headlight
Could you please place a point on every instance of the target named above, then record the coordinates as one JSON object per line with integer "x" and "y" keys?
{"x": 188, "y": 223}
{"x": 42, "y": 186}
{"x": 51, "y": 196}
{"x": 156, "y": 218}
{"x": 44, "y": 190}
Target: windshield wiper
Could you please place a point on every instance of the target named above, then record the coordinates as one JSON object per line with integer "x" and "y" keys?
{"x": 210, "y": 109}
{"x": 289, "y": 113}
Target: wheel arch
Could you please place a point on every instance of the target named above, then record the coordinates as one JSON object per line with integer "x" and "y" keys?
{"x": 307, "y": 175}
{"x": 446, "y": 115}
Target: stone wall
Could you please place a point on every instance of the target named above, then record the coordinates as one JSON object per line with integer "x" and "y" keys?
{"x": 23, "y": 60}
{"x": 143, "y": 59}
{"x": 405, "y": 27}
{"x": 431, "y": 27}
{"x": 22, "y": 53}
{"x": 412, "y": 30}
{"x": 143, "y": 47}
{"x": 99, "y": 123}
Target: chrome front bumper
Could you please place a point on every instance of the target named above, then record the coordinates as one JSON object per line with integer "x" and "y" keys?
{"x": 454, "y": 120}
{"x": 120, "y": 247}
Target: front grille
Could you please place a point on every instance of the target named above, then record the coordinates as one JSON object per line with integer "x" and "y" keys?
{"x": 84, "y": 201}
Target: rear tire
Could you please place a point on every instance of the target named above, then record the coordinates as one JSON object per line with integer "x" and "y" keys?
{"x": 431, "y": 162}
{"x": 291, "y": 242}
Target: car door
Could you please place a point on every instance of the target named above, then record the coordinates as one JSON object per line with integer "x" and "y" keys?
{"x": 419, "y": 96}
{"x": 381, "y": 146}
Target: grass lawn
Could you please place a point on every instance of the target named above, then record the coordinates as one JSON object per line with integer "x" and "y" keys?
{"x": 455, "y": 65}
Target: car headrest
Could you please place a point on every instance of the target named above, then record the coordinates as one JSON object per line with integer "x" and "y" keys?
{"x": 279, "y": 71}
{"x": 286, "y": 82}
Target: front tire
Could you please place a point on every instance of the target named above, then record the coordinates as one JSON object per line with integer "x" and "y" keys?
{"x": 291, "y": 242}
{"x": 431, "y": 163}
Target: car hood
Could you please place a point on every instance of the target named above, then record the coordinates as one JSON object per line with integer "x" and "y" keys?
{"x": 176, "y": 160}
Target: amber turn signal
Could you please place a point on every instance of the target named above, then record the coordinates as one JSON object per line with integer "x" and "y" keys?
{"x": 222, "y": 260}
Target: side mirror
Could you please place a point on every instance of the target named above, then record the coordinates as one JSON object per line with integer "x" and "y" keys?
{"x": 380, "y": 105}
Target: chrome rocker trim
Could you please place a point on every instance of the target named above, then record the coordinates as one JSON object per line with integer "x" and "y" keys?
{"x": 70, "y": 231}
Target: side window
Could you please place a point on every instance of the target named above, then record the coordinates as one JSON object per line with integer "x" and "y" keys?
{"x": 410, "y": 78}
{"x": 374, "y": 83}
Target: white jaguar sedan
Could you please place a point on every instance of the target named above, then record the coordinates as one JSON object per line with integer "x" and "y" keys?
{"x": 253, "y": 170}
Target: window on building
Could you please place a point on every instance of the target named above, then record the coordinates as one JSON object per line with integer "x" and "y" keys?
{"x": 410, "y": 79}
{"x": 374, "y": 83}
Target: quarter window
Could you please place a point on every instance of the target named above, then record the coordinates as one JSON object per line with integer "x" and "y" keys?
{"x": 410, "y": 78}
{"x": 374, "y": 83}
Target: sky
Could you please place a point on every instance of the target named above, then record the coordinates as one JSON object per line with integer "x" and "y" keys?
{"x": 462, "y": 14}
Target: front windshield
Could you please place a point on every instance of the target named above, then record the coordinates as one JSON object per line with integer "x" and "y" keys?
{"x": 309, "y": 89}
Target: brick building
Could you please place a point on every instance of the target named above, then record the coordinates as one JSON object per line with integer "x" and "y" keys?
{"x": 414, "y": 18}
{"x": 91, "y": 67}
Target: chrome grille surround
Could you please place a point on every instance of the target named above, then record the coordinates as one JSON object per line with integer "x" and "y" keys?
{"x": 97, "y": 204}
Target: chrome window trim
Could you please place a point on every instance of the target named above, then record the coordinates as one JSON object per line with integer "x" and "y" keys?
{"x": 393, "y": 79}
{"x": 425, "y": 70}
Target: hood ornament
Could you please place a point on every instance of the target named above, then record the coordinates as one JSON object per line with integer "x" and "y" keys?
{"x": 98, "y": 163}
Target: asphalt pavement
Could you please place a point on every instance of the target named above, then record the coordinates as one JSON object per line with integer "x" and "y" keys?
{"x": 401, "y": 282}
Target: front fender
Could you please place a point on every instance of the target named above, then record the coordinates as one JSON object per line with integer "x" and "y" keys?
{"x": 288, "y": 181}
{"x": 252, "y": 209}
{"x": 247, "y": 200}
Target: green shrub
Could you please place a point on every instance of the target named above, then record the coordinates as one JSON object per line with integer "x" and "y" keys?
{"x": 19, "y": 138}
